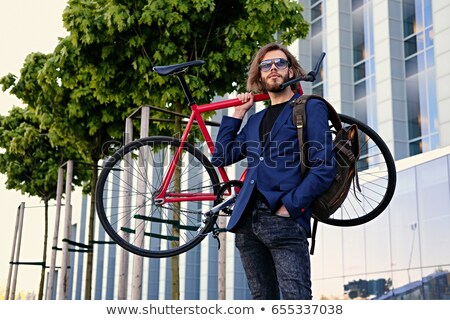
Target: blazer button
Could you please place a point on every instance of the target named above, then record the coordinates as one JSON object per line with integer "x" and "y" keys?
{"x": 261, "y": 158}
{"x": 252, "y": 181}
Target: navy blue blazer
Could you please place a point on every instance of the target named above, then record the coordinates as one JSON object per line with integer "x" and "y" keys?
{"x": 275, "y": 168}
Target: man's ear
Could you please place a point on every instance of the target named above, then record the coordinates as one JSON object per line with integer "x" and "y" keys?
{"x": 291, "y": 73}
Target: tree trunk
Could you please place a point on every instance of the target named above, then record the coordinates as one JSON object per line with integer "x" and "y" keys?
{"x": 44, "y": 254}
{"x": 91, "y": 231}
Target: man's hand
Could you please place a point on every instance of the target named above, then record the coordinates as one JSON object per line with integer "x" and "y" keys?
{"x": 282, "y": 212}
{"x": 247, "y": 103}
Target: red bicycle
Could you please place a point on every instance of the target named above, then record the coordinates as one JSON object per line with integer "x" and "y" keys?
{"x": 160, "y": 196}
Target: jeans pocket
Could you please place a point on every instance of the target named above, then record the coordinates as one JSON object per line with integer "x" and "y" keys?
{"x": 282, "y": 215}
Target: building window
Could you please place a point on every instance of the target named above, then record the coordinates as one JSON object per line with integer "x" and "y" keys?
{"x": 363, "y": 62}
{"x": 420, "y": 76}
{"x": 317, "y": 12}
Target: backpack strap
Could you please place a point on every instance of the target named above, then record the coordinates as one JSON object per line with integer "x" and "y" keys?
{"x": 313, "y": 236}
{"x": 299, "y": 116}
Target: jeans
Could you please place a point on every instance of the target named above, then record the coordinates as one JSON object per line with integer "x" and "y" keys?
{"x": 275, "y": 255}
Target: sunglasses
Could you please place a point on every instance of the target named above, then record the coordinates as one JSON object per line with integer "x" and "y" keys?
{"x": 280, "y": 64}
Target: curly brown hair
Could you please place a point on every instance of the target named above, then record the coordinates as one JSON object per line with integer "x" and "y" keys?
{"x": 253, "y": 81}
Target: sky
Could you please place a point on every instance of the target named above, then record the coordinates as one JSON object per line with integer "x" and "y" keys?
{"x": 26, "y": 26}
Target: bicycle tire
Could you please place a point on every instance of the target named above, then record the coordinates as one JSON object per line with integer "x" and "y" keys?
{"x": 127, "y": 192}
{"x": 377, "y": 177}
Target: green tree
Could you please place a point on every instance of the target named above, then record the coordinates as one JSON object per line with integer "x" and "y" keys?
{"x": 102, "y": 71}
{"x": 30, "y": 163}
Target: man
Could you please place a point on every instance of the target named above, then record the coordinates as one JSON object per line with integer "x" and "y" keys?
{"x": 271, "y": 216}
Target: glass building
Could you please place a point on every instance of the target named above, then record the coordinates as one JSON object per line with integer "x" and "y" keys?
{"x": 386, "y": 64}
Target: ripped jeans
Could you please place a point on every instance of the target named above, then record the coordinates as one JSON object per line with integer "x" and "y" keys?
{"x": 275, "y": 255}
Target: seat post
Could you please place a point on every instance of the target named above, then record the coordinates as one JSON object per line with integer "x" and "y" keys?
{"x": 186, "y": 89}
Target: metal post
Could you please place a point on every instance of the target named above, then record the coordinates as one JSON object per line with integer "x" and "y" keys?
{"x": 17, "y": 258}
{"x": 63, "y": 283}
{"x": 12, "y": 266}
{"x": 124, "y": 254}
{"x": 222, "y": 259}
{"x": 51, "y": 273}
{"x": 136, "y": 293}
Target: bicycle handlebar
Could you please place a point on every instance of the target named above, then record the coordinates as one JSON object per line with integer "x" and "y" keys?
{"x": 179, "y": 69}
{"x": 310, "y": 77}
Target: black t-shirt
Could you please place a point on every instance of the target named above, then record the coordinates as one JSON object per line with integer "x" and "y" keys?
{"x": 269, "y": 118}
{"x": 272, "y": 113}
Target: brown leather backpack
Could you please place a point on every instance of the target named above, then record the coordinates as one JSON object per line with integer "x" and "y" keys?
{"x": 346, "y": 148}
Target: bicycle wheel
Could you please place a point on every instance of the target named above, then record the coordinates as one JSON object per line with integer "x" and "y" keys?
{"x": 377, "y": 178}
{"x": 134, "y": 212}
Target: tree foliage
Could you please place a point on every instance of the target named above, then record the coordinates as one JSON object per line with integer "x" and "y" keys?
{"x": 113, "y": 46}
{"x": 101, "y": 71}
{"x": 28, "y": 159}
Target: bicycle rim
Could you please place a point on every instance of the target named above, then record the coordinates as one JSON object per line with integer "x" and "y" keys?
{"x": 377, "y": 178}
{"x": 129, "y": 186}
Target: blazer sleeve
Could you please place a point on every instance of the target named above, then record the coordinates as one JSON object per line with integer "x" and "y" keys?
{"x": 230, "y": 145}
{"x": 322, "y": 168}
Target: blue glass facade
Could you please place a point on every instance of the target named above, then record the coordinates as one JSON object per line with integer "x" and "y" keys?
{"x": 363, "y": 63}
{"x": 317, "y": 47}
{"x": 404, "y": 247}
{"x": 420, "y": 75}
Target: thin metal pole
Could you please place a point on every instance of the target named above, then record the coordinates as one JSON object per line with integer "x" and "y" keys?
{"x": 64, "y": 281}
{"x": 11, "y": 264}
{"x": 51, "y": 273}
{"x": 138, "y": 265}
{"x": 17, "y": 253}
{"x": 124, "y": 254}
{"x": 222, "y": 267}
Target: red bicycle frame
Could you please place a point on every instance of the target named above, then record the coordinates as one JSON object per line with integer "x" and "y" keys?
{"x": 196, "y": 115}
